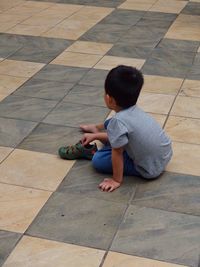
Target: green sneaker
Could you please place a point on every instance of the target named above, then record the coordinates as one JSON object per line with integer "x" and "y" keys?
{"x": 77, "y": 151}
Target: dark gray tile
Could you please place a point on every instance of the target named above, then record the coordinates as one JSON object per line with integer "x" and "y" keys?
{"x": 192, "y": 8}
{"x": 172, "y": 192}
{"x": 142, "y": 36}
{"x": 61, "y": 73}
{"x": 84, "y": 180}
{"x": 8, "y": 240}
{"x": 83, "y": 94}
{"x": 72, "y": 114}
{"x": 12, "y": 131}
{"x": 78, "y": 220}
{"x": 51, "y": 90}
{"x": 48, "y": 138}
{"x": 40, "y": 49}
{"x": 128, "y": 50}
{"x": 7, "y": 50}
{"x": 155, "y": 23}
{"x": 179, "y": 45}
{"x": 25, "y": 108}
{"x": 168, "y": 63}
{"x": 160, "y": 16}
{"x": 123, "y": 17}
{"x": 102, "y": 32}
{"x": 94, "y": 78}
{"x": 194, "y": 73}
{"x": 160, "y": 235}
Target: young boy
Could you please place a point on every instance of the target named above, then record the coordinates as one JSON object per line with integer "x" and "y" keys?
{"x": 134, "y": 143}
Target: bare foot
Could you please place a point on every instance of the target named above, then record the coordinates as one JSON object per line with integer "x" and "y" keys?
{"x": 89, "y": 128}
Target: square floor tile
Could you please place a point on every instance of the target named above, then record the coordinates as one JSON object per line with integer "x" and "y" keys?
{"x": 7, "y": 50}
{"x": 8, "y": 84}
{"x": 19, "y": 206}
{"x": 179, "y": 45}
{"x": 4, "y": 152}
{"x": 192, "y": 8}
{"x": 89, "y": 47}
{"x": 183, "y": 129}
{"x": 123, "y": 17}
{"x": 190, "y": 88}
{"x": 51, "y": 90}
{"x": 168, "y": 63}
{"x": 61, "y": 73}
{"x": 185, "y": 27}
{"x": 160, "y": 235}
{"x": 19, "y": 68}
{"x": 186, "y": 158}
{"x": 8, "y": 241}
{"x": 161, "y": 84}
{"x": 194, "y": 73}
{"x": 29, "y": 29}
{"x": 155, "y": 103}
{"x": 138, "y": 4}
{"x": 33, "y": 169}
{"x": 83, "y": 94}
{"x": 77, "y": 59}
{"x": 108, "y": 33}
{"x": 48, "y": 138}
{"x": 159, "y": 118}
{"x": 72, "y": 114}
{"x": 94, "y": 78}
{"x": 51, "y": 253}
{"x": 109, "y": 62}
{"x": 115, "y": 259}
{"x": 26, "y": 108}
{"x": 186, "y": 106}
{"x": 71, "y": 219}
{"x": 171, "y": 6}
{"x": 12, "y": 131}
{"x": 40, "y": 49}
{"x": 84, "y": 180}
{"x": 172, "y": 192}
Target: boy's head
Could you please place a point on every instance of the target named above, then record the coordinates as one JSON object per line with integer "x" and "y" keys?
{"x": 124, "y": 84}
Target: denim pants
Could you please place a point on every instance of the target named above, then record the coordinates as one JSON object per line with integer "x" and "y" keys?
{"x": 102, "y": 160}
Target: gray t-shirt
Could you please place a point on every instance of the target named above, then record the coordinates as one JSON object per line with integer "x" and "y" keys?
{"x": 143, "y": 139}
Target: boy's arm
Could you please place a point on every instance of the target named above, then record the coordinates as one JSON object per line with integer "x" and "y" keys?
{"x": 89, "y": 137}
{"x": 118, "y": 165}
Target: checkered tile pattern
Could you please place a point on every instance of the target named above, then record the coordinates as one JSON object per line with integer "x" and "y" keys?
{"x": 54, "y": 57}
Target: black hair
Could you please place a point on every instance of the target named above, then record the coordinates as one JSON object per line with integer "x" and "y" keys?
{"x": 124, "y": 84}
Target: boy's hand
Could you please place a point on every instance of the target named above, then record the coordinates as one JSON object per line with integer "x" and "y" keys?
{"x": 87, "y": 138}
{"x": 109, "y": 185}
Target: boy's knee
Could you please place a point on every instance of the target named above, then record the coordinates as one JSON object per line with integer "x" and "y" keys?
{"x": 96, "y": 162}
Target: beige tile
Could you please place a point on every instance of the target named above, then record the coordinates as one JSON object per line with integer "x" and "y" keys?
{"x": 138, "y": 4}
{"x": 169, "y": 6}
{"x": 199, "y": 47}
{"x": 77, "y": 59}
{"x": 12, "y": 19}
{"x": 19, "y": 206}
{"x": 31, "y": 251}
{"x": 2, "y": 97}
{"x": 33, "y": 30}
{"x": 4, "y": 152}
{"x": 33, "y": 169}
{"x": 155, "y": 103}
{"x": 115, "y": 259}
{"x": 186, "y": 107}
{"x": 6, "y": 26}
{"x": 185, "y": 27}
{"x": 8, "y": 84}
{"x": 77, "y": 24}
{"x": 183, "y": 129}
{"x": 190, "y": 88}
{"x": 62, "y": 9}
{"x": 90, "y": 47}
{"x": 109, "y": 62}
{"x": 159, "y": 118}
{"x": 161, "y": 85}
{"x": 7, "y": 4}
{"x": 19, "y": 68}
{"x": 186, "y": 158}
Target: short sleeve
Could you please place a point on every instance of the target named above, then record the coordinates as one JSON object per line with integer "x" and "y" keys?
{"x": 117, "y": 133}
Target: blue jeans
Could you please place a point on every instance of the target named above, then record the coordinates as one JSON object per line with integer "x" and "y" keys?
{"x": 102, "y": 162}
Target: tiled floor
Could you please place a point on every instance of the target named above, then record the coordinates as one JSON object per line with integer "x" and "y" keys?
{"x": 54, "y": 56}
